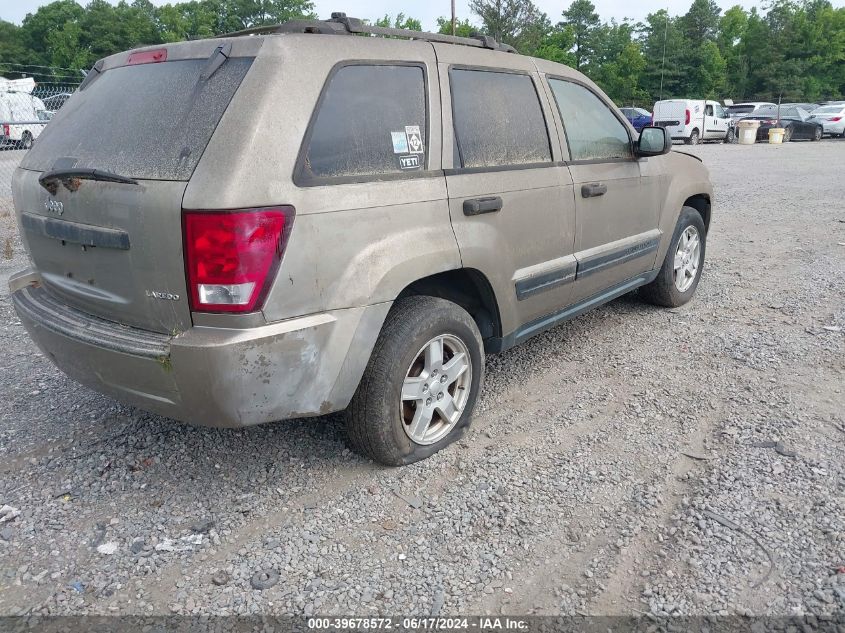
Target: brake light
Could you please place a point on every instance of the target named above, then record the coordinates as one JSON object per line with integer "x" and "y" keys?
{"x": 688, "y": 117}
{"x": 6, "y": 131}
{"x": 835, "y": 119}
{"x": 771, "y": 122}
{"x": 148, "y": 57}
{"x": 232, "y": 256}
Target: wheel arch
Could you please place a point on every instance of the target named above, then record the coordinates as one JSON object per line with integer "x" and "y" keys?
{"x": 701, "y": 203}
{"x": 467, "y": 287}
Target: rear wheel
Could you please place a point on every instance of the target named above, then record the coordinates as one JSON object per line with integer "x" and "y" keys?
{"x": 817, "y": 134}
{"x": 26, "y": 141}
{"x": 694, "y": 138}
{"x": 731, "y": 135}
{"x": 678, "y": 277}
{"x": 421, "y": 384}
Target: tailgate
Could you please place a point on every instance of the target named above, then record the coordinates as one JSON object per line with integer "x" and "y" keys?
{"x": 114, "y": 249}
{"x": 109, "y": 249}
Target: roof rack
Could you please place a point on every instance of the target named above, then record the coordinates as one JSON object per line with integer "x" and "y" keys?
{"x": 339, "y": 24}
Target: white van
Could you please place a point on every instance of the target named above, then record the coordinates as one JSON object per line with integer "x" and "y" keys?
{"x": 22, "y": 116}
{"x": 694, "y": 120}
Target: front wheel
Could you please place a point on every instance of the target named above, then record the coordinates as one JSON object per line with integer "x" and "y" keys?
{"x": 731, "y": 136}
{"x": 421, "y": 384}
{"x": 787, "y": 135}
{"x": 678, "y": 277}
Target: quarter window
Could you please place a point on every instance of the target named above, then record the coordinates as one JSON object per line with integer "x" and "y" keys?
{"x": 592, "y": 130}
{"x": 371, "y": 121}
{"x": 498, "y": 119}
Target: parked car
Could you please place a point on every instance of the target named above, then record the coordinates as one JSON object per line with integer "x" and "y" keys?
{"x": 796, "y": 122}
{"x": 22, "y": 116}
{"x": 693, "y": 121}
{"x": 638, "y": 117}
{"x": 340, "y": 259}
{"x": 739, "y": 110}
{"x": 832, "y": 119}
{"x": 56, "y": 101}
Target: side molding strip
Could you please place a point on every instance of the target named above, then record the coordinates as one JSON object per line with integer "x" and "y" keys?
{"x": 531, "y": 286}
{"x": 495, "y": 345}
{"x": 598, "y": 263}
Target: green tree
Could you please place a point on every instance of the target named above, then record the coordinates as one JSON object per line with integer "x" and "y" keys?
{"x": 400, "y": 22}
{"x": 463, "y": 28}
{"x": 515, "y": 22}
{"x": 584, "y": 22}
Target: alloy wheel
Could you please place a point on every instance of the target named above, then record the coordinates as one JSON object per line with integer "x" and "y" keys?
{"x": 436, "y": 389}
{"x": 687, "y": 259}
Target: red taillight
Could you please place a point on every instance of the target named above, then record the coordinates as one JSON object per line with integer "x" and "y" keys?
{"x": 148, "y": 57}
{"x": 688, "y": 117}
{"x": 6, "y": 132}
{"x": 232, "y": 256}
{"x": 835, "y": 119}
{"x": 771, "y": 122}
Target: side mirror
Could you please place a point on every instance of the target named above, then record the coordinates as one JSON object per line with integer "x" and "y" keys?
{"x": 653, "y": 141}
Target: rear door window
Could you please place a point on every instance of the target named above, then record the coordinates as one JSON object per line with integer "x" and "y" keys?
{"x": 149, "y": 121}
{"x": 371, "y": 121}
{"x": 592, "y": 130}
{"x": 498, "y": 119}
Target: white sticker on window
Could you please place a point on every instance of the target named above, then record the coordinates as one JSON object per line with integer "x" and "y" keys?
{"x": 415, "y": 142}
{"x": 409, "y": 162}
{"x": 400, "y": 142}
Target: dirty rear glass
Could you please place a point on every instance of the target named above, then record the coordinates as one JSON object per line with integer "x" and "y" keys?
{"x": 149, "y": 121}
{"x": 371, "y": 121}
{"x": 498, "y": 119}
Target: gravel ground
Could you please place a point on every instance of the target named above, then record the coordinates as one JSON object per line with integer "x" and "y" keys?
{"x": 634, "y": 460}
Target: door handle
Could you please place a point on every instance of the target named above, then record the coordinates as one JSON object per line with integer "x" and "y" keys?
{"x": 593, "y": 190}
{"x": 477, "y": 206}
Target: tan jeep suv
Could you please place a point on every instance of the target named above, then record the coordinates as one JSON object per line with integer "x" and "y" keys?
{"x": 291, "y": 221}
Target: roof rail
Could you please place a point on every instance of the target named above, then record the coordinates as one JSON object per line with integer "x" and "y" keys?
{"x": 339, "y": 24}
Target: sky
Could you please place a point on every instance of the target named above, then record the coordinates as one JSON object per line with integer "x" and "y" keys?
{"x": 427, "y": 11}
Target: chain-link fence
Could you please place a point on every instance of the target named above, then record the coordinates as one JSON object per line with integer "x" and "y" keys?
{"x": 26, "y": 108}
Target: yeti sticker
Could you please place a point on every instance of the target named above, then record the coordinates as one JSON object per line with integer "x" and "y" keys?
{"x": 412, "y": 161}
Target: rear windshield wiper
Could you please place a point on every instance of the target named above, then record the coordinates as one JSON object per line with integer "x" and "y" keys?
{"x": 50, "y": 179}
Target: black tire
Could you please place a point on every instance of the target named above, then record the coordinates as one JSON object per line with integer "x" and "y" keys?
{"x": 26, "y": 141}
{"x": 663, "y": 291}
{"x": 787, "y": 135}
{"x": 375, "y": 426}
{"x": 817, "y": 134}
{"x": 730, "y": 137}
{"x": 694, "y": 138}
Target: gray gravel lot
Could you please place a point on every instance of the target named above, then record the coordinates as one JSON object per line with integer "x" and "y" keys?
{"x": 635, "y": 460}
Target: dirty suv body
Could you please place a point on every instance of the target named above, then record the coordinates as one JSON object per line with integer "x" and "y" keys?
{"x": 293, "y": 221}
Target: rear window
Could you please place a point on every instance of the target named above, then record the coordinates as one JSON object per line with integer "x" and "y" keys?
{"x": 371, "y": 122}
{"x": 149, "y": 121}
{"x": 744, "y": 109}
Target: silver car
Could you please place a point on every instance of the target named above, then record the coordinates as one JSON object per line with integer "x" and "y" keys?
{"x": 291, "y": 221}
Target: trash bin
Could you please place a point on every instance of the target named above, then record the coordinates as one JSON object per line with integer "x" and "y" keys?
{"x": 747, "y": 131}
{"x": 776, "y": 135}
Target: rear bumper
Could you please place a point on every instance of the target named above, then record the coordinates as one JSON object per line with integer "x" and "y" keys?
{"x": 834, "y": 127}
{"x": 210, "y": 376}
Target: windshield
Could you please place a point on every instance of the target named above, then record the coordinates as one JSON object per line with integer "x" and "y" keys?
{"x": 740, "y": 109}
{"x": 149, "y": 121}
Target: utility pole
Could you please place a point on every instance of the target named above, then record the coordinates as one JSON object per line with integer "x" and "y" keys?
{"x": 453, "y": 17}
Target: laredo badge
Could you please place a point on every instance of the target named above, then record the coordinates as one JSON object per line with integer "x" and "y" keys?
{"x": 415, "y": 142}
